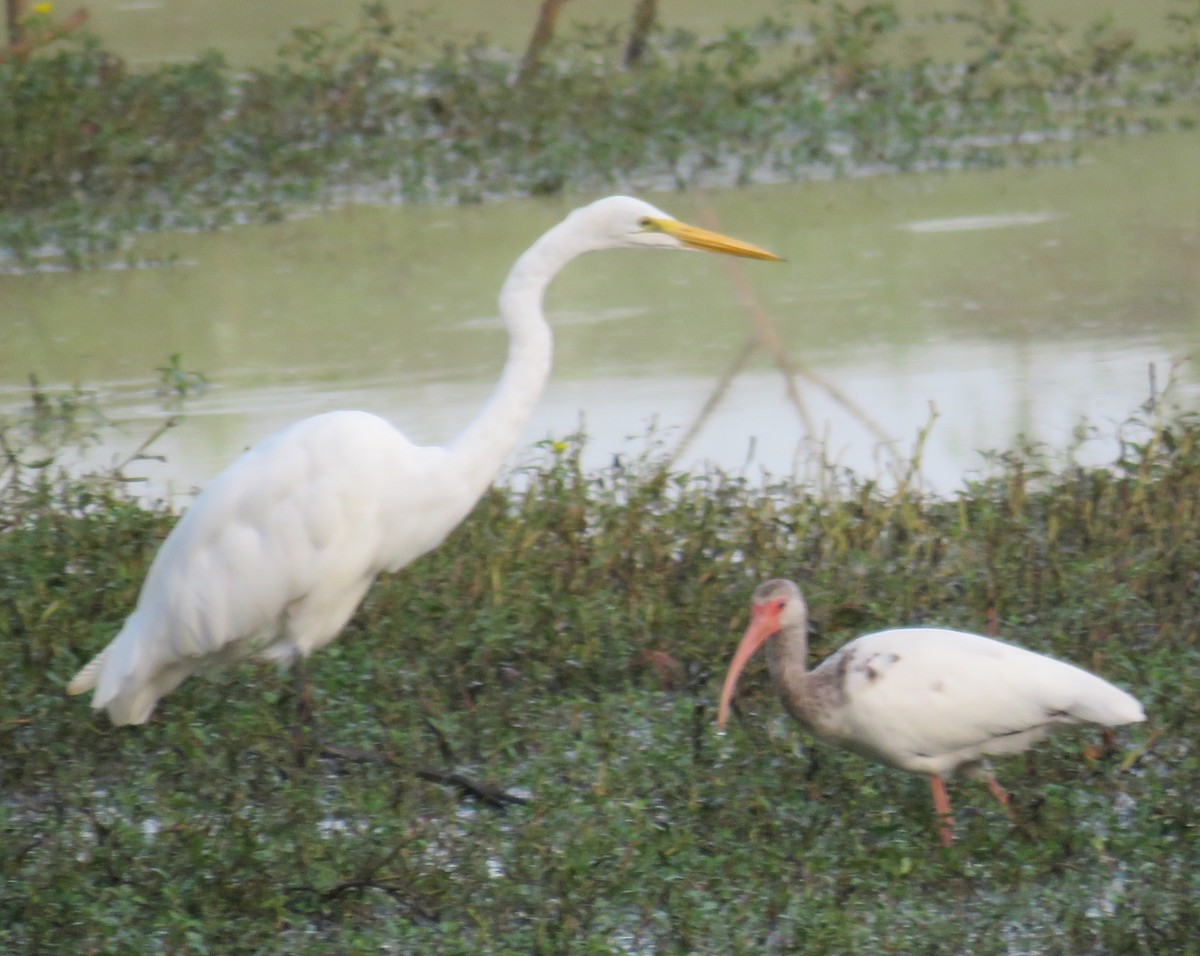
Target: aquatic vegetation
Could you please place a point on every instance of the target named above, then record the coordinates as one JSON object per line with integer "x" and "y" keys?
{"x": 566, "y": 645}
{"x": 93, "y": 148}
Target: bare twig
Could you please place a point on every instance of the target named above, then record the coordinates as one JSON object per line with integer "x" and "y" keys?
{"x": 489, "y": 793}
{"x": 718, "y": 394}
{"x": 21, "y": 44}
{"x": 765, "y": 336}
{"x": 1141, "y": 751}
{"x": 444, "y": 747}
{"x": 139, "y": 453}
{"x": 370, "y": 878}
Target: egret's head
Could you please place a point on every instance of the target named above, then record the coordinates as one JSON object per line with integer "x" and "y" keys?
{"x": 624, "y": 222}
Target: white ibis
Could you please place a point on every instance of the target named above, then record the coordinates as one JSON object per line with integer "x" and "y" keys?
{"x": 922, "y": 699}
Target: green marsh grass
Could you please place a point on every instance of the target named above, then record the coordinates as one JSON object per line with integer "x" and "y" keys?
{"x": 566, "y": 644}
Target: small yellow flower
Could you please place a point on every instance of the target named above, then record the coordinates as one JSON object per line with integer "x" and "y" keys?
{"x": 43, "y": 9}
{"x": 559, "y": 447}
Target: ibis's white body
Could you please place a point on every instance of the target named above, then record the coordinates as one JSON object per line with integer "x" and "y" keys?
{"x": 930, "y": 700}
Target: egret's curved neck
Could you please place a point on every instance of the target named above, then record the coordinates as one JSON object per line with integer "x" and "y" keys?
{"x": 480, "y": 451}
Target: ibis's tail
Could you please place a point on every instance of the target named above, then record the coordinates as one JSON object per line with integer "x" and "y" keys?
{"x": 1099, "y": 702}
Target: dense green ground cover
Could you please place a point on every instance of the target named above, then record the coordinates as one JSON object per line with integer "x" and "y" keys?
{"x": 92, "y": 148}
{"x": 566, "y": 644}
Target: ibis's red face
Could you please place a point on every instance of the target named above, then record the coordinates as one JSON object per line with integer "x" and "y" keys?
{"x": 764, "y": 624}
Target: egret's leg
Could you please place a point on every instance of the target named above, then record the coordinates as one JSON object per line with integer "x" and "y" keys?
{"x": 303, "y": 693}
{"x": 941, "y": 805}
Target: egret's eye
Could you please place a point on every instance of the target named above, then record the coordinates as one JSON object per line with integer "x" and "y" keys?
{"x": 649, "y": 225}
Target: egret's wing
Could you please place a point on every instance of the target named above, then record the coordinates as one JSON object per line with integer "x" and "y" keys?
{"x": 280, "y": 547}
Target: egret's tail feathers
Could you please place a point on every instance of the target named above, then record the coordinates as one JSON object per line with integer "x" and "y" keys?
{"x": 86, "y": 679}
{"x": 131, "y": 708}
{"x": 123, "y": 708}
{"x": 127, "y": 676}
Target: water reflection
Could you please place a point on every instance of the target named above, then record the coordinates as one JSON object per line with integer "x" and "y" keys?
{"x": 1014, "y": 301}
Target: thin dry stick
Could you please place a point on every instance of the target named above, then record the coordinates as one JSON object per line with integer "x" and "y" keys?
{"x": 853, "y": 408}
{"x": 908, "y": 474}
{"x": 21, "y": 45}
{"x": 140, "y": 453}
{"x": 764, "y": 330}
{"x": 718, "y": 393}
{"x": 468, "y": 786}
{"x": 766, "y": 337}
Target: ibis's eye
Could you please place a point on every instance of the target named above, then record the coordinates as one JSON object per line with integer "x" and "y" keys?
{"x": 781, "y": 604}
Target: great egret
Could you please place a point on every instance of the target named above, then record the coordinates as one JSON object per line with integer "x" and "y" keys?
{"x": 276, "y": 553}
{"x": 922, "y": 699}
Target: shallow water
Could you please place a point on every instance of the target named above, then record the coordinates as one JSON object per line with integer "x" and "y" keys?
{"x": 1016, "y": 301}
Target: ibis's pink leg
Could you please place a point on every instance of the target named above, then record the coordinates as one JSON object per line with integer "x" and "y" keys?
{"x": 1000, "y": 794}
{"x": 941, "y": 805}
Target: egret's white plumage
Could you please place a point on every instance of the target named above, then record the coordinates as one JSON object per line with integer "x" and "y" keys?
{"x": 276, "y": 553}
{"x": 926, "y": 700}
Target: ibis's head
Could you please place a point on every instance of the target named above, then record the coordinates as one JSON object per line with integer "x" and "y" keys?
{"x": 624, "y": 222}
{"x": 777, "y": 605}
